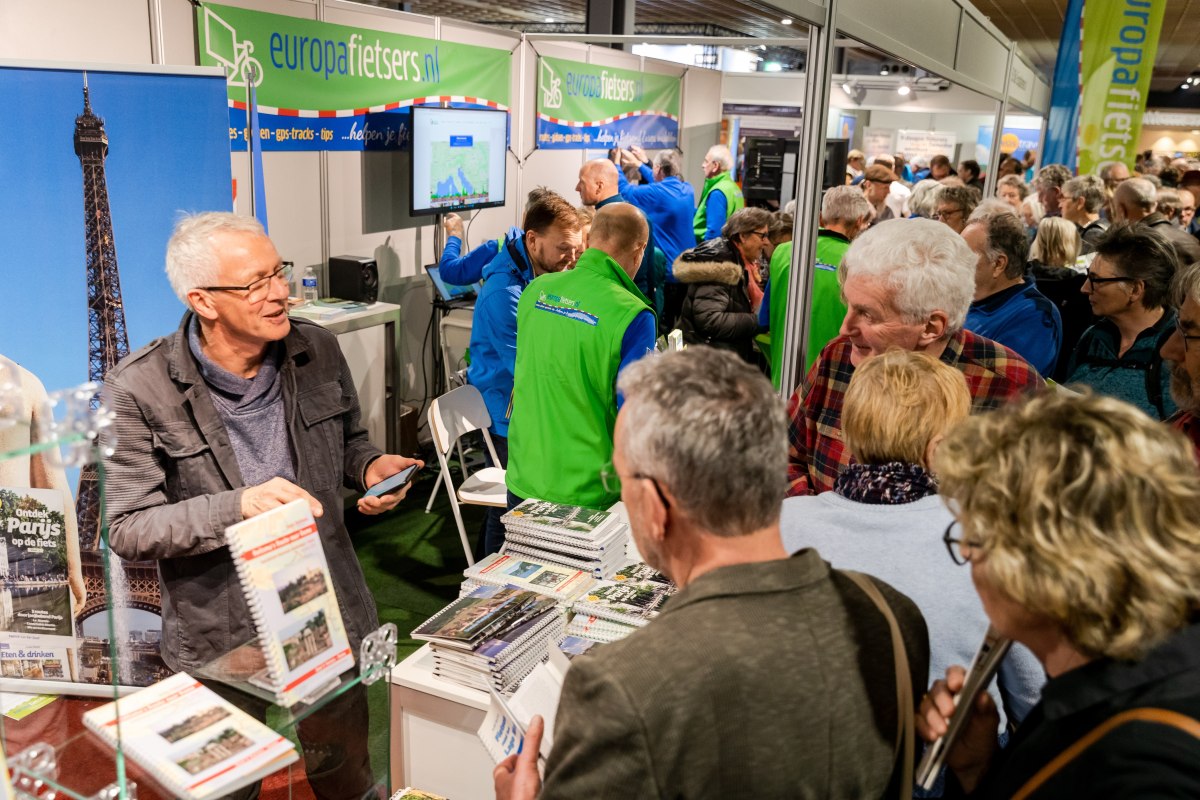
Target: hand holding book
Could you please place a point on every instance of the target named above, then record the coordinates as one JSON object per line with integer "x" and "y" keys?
{"x": 517, "y": 777}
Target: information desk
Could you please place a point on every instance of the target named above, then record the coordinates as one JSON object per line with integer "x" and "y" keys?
{"x": 434, "y": 741}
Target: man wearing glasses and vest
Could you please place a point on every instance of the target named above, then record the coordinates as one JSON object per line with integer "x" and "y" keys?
{"x": 239, "y": 411}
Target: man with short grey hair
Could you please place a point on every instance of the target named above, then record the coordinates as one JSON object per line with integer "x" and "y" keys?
{"x": 697, "y": 703}
{"x": 845, "y": 213}
{"x": 240, "y": 411}
{"x": 1049, "y": 183}
{"x": 720, "y": 198}
{"x": 1081, "y": 199}
{"x": 1006, "y": 308}
{"x": 1136, "y": 200}
{"x": 907, "y": 284}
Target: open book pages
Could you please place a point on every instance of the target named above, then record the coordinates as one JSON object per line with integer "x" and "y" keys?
{"x": 504, "y": 727}
{"x": 552, "y": 580}
{"x": 194, "y": 743}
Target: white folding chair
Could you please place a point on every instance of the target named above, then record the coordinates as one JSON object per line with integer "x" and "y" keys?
{"x": 451, "y": 416}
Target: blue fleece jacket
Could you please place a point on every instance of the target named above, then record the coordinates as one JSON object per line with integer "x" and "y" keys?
{"x": 1022, "y": 319}
{"x": 670, "y": 205}
{"x": 460, "y": 270}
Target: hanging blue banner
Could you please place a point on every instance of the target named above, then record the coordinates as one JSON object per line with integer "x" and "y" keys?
{"x": 1062, "y": 124}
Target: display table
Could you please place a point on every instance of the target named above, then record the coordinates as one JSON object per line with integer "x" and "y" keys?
{"x": 434, "y": 744}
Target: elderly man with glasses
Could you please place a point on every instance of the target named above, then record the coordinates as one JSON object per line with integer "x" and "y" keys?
{"x": 239, "y": 411}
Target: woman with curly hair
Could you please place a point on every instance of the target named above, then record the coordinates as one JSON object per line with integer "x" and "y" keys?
{"x": 1080, "y": 520}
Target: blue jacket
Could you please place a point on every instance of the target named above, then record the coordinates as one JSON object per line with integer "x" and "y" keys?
{"x": 644, "y": 279}
{"x": 460, "y": 270}
{"x": 670, "y": 205}
{"x": 1022, "y": 319}
{"x": 494, "y": 331}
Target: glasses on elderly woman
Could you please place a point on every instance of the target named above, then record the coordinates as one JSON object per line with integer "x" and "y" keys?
{"x": 960, "y": 549}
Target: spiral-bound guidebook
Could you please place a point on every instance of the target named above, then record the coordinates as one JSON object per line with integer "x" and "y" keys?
{"x": 284, "y": 573}
{"x": 194, "y": 743}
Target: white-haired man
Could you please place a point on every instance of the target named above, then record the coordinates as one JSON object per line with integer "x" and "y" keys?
{"x": 239, "y": 411}
{"x": 698, "y": 702}
{"x": 1136, "y": 200}
{"x": 720, "y": 198}
{"x": 907, "y": 284}
{"x": 845, "y": 213}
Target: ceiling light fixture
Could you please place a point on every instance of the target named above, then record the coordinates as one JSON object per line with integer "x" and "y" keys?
{"x": 785, "y": 21}
{"x": 549, "y": 19}
{"x": 903, "y": 90}
{"x": 847, "y": 88}
{"x": 883, "y": 70}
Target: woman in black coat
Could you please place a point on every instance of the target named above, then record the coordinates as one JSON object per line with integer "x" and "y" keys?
{"x": 719, "y": 307}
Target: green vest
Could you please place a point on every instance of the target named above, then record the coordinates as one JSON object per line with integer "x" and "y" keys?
{"x": 569, "y": 331}
{"x": 828, "y": 311}
{"x": 734, "y": 202}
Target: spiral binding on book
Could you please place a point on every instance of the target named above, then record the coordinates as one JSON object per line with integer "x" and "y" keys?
{"x": 275, "y": 669}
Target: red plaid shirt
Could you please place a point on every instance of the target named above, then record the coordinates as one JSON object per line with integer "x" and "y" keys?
{"x": 816, "y": 452}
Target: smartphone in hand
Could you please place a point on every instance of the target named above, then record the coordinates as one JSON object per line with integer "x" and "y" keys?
{"x": 394, "y": 483}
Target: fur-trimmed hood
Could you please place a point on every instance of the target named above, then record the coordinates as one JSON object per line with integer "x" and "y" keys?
{"x": 724, "y": 272}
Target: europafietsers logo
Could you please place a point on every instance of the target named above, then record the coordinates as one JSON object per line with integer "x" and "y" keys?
{"x": 221, "y": 43}
{"x": 550, "y": 85}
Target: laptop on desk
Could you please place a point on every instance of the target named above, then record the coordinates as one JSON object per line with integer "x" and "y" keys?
{"x": 449, "y": 294}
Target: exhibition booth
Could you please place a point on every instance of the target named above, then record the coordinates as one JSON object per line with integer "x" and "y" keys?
{"x": 341, "y": 124}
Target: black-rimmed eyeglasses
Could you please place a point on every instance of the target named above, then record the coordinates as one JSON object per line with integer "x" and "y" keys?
{"x": 960, "y": 549}
{"x": 1184, "y": 335}
{"x": 257, "y": 290}
{"x": 1095, "y": 280}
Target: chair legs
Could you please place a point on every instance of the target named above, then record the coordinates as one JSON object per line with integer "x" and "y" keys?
{"x": 462, "y": 531}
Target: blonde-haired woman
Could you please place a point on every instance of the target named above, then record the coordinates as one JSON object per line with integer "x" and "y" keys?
{"x": 884, "y": 516}
{"x": 1056, "y": 245}
{"x": 1080, "y": 520}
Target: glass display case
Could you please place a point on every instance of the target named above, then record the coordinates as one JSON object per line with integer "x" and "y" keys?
{"x": 80, "y": 629}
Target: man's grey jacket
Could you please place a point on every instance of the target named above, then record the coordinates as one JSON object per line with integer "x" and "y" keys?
{"x": 173, "y": 484}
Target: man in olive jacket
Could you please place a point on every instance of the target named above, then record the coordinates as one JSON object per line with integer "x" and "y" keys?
{"x": 765, "y": 676}
{"x": 239, "y": 411}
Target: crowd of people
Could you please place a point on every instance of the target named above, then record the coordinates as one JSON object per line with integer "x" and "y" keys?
{"x": 838, "y": 557}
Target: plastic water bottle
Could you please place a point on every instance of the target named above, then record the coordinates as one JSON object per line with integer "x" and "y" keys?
{"x": 308, "y": 286}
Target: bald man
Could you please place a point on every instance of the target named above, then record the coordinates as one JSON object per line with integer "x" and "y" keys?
{"x": 1135, "y": 200}
{"x": 599, "y": 186}
{"x": 576, "y": 331}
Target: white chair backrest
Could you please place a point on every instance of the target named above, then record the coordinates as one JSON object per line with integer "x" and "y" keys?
{"x": 456, "y": 413}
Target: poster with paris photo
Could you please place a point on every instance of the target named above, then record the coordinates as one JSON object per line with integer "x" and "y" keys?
{"x": 98, "y": 162}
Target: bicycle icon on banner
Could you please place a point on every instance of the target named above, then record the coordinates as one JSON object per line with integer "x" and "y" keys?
{"x": 221, "y": 42}
{"x": 550, "y": 85}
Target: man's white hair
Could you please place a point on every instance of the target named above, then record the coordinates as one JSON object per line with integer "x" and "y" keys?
{"x": 844, "y": 204}
{"x": 721, "y": 155}
{"x": 191, "y": 260}
{"x": 923, "y": 265}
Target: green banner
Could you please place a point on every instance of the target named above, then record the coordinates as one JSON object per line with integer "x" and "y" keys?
{"x": 326, "y": 86}
{"x": 584, "y": 106}
{"x": 1120, "y": 42}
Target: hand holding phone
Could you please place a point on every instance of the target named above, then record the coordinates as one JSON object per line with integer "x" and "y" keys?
{"x": 394, "y": 483}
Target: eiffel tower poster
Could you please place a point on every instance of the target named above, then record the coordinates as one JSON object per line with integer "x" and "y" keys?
{"x": 135, "y": 148}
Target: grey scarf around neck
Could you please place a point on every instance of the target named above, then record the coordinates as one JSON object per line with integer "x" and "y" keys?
{"x": 252, "y": 411}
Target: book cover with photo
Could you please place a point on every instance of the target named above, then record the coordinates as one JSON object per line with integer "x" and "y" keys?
{"x": 542, "y": 515}
{"x": 629, "y": 603}
{"x": 485, "y": 612}
{"x": 552, "y": 580}
{"x": 283, "y": 571}
{"x": 35, "y": 596}
{"x": 641, "y": 572}
{"x": 191, "y": 741}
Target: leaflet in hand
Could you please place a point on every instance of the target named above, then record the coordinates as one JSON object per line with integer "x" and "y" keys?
{"x": 285, "y": 576}
{"x": 194, "y": 743}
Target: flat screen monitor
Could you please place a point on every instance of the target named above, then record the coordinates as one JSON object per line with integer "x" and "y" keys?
{"x": 458, "y": 158}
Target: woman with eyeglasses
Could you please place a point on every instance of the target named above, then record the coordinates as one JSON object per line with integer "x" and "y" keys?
{"x": 1080, "y": 520}
{"x": 1128, "y": 286}
{"x": 884, "y": 516}
{"x": 724, "y": 288}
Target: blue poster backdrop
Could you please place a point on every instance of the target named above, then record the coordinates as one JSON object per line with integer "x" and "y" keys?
{"x": 168, "y": 152}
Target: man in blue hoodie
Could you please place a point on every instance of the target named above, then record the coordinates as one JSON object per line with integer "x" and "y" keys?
{"x": 551, "y": 242}
{"x": 461, "y": 269}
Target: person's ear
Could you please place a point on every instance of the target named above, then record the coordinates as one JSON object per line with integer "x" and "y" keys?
{"x": 1000, "y": 265}
{"x": 935, "y": 328}
{"x": 930, "y": 449}
{"x": 202, "y": 304}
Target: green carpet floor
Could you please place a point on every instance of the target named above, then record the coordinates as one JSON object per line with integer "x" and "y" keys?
{"x": 413, "y": 563}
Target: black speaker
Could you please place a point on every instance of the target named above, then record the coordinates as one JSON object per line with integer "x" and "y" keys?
{"x": 354, "y": 278}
